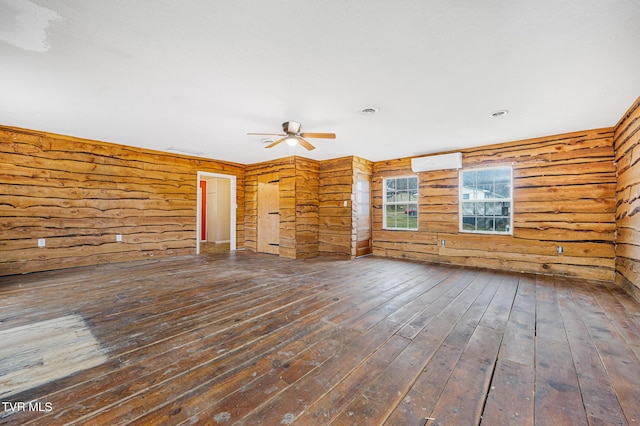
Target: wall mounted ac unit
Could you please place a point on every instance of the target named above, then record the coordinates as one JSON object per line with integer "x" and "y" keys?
{"x": 437, "y": 162}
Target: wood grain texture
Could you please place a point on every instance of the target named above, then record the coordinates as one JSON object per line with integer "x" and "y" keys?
{"x": 298, "y": 205}
{"x": 564, "y": 195}
{"x": 627, "y": 210}
{"x": 250, "y": 338}
{"x": 336, "y": 218}
{"x": 307, "y": 211}
{"x": 338, "y": 211}
{"x": 78, "y": 194}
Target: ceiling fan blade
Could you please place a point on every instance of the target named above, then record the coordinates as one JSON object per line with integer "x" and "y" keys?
{"x": 271, "y": 145}
{"x": 266, "y": 134}
{"x": 319, "y": 135}
{"x": 306, "y": 144}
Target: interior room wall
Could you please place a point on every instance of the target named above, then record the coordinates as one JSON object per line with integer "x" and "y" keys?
{"x": 335, "y": 207}
{"x": 627, "y": 155}
{"x": 578, "y": 191}
{"x": 80, "y": 195}
{"x": 338, "y": 212}
{"x": 564, "y": 195}
{"x": 298, "y": 188}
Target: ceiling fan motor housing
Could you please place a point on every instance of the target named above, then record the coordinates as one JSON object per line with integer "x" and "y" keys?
{"x": 291, "y": 127}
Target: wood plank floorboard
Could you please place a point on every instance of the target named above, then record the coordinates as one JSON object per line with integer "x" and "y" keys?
{"x": 245, "y": 338}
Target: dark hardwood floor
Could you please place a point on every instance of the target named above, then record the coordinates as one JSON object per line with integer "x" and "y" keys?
{"x": 254, "y": 339}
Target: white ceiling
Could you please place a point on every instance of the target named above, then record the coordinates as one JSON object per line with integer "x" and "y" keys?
{"x": 199, "y": 74}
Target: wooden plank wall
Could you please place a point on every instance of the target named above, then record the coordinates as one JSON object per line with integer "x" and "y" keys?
{"x": 298, "y": 205}
{"x": 627, "y": 154}
{"x": 338, "y": 212}
{"x": 78, "y": 194}
{"x": 307, "y": 208}
{"x": 287, "y": 193}
{"x": 564, "y": 190}
{"x": 336, "y": 222}
{"x": 360, "y": 167}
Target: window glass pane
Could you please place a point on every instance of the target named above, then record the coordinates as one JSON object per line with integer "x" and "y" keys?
{"x": 391, "y": 216}
{"x": 469, "y": 179}
{"x": 467, "y": 209}
{"x": 494, "y": 209}
{"x": 401, "y": 184}
{"x": 391, "y": 184}
{"x": 503, "y": 224}
{"x": 503, "y": 175}
{"x": 391, "y": 196}
{"x": 485, "y": 177}
{"x": 412, "y": 222}
{"x": 484, "y": 224}
{"x": 482, "y": 187}
{"x": 484, "y": 191}
{"x": 472, "y": 193}
{"x": 505, "y": 209}
{"x": 413, "y": 184}
{"x": 469, "y": 223}
{"x": 502, "y": 190}
{"x": 401, "y": 216}
{"x": 401, "y": 203}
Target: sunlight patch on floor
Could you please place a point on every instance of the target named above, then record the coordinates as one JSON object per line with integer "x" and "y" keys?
{"x": 34, "y": 354}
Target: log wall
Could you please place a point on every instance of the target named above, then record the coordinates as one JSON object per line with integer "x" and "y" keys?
{"x": 564, "y": 191}
{"x": 298, "y": 205}
{"x": 360, "y": 167}
{"x": 79, "y": 194}
{"x": 307, "y": 214}
{"x": 338, "y": 211}
{"x": 627, "y": 155}
{"x": 335, "y": 205}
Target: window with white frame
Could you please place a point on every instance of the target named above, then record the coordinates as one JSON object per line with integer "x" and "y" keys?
{"x": 486, "y": 200}
{"x": 400, "y": 202}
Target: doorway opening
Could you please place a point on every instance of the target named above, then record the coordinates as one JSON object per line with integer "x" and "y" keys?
{"x": 215, "y": 212}
{"x": 363, "y": 218}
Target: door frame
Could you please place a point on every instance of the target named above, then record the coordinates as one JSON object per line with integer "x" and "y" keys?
{"x": 233, "y": 205}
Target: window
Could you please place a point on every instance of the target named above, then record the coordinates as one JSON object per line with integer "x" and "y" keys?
{"x": 400, "y": 203}
{"x": 486, "y": 200}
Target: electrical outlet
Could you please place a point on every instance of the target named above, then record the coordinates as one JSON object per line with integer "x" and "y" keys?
{"x": 443, "y": 242}
{"x": 345, "y": 203}
{"x": 560, "y": 250}
{"x": 119, "y": 238}
{"x": 41, "y": 242}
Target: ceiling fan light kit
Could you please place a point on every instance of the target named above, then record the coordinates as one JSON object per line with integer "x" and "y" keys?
{"x": 293, "y": 137}
{"x": 291, "y": 141}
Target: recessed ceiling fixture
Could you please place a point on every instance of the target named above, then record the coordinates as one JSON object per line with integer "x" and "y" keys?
{"x": 499, "y": 113}
{"x": 267, "y": 140}
{"x": 369, "y": 110}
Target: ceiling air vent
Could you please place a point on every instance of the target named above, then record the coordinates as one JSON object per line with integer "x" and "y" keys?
{"x": 369, "y": 110}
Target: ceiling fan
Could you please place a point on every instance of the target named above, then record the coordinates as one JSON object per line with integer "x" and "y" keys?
{"x": 292, "y": 136}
